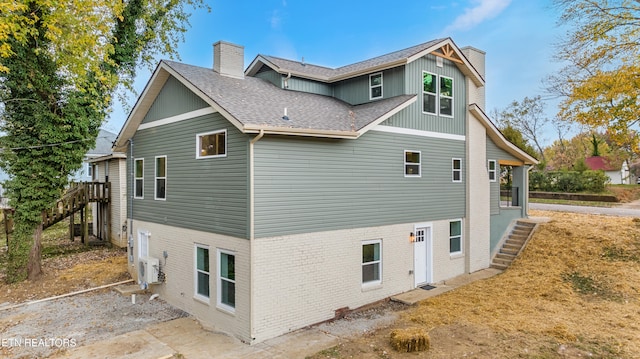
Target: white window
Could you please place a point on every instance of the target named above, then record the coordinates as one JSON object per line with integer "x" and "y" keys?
{"x": 456, "y": 170}
{"x": 161, "y": 178}
{"x": 375, "y": 86}
{"x": 90, "y": 170}
{"x": 429, "y": 92}
{"x": 202, "y": 272}
{"x": 138, "y": 186}
{"x": 211, "y": 144}
{"x": 226, "y": 280}
{"x": 437, "y": 94}
{"x": 372, "y": 262}
{"x": 446, "y": 96}
{"x": 455, "y": 237}
{"x": 491, "y": 166}
{"x": 412, "y": 163}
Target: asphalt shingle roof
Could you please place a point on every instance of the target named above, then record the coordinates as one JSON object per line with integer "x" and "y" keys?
{"x": 328, "y": 74}
{"x": 256, "y": 102}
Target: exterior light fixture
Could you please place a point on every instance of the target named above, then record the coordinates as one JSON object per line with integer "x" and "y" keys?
{"x": 412, "y": 237}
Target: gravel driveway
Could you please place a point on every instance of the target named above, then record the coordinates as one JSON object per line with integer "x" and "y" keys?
{"x": 41, "y": 329}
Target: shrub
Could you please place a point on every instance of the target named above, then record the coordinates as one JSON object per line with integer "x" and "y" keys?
{"x": 568, "y": 181}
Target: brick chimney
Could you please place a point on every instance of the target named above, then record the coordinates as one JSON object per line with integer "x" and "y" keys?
{"x": 228, "y": 59}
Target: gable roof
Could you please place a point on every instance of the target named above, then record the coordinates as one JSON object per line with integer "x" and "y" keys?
{"x": 599, "y": 163}
{"x": 444, "y": 48}
{"x": 308, "y": 114}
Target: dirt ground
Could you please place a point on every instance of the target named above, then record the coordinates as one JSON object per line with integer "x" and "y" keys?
{"x": 574, "y": 292}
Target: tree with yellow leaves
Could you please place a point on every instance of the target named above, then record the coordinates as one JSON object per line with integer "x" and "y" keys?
{"x": 600, "y": 85}
{"x": 60, "y": 64}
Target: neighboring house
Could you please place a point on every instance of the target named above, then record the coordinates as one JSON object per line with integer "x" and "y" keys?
{"x": 111, "y": 168}
{"x": 618, "y": 174}
{"x": 104, "y": 142}
{"x": 278, "y": 196}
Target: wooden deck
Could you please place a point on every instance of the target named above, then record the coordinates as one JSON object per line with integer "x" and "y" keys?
{"x": 77, "y": 199}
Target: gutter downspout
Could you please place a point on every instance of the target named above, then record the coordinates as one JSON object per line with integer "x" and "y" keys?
{"x": 252, "y": 142}
{"x": 130, "y": 202}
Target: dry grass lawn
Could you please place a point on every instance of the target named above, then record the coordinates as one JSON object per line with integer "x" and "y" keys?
{"x": 574, "y": 292}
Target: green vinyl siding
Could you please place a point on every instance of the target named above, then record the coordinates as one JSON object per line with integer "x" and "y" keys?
{"x": 413, "y": 117}
{"x": 355, "y": 91}
{"x": 203, "y": 194}
{"x": 309, "y": 185}
{"x": 303, "y": 85}
{"x": 174, "y": 99}
{"x": 497, "y": 154}
{"x": 267, "y": 74}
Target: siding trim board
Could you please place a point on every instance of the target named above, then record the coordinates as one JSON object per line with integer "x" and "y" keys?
{"x": 177, "y": 118}
{"x": 409, "y": 131}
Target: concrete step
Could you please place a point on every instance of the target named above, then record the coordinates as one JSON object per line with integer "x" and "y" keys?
{"x": 502, "y": 261}
{"x": 515, "y": 247}
{"x": 509, "y": 251}
{"x": 518, "y": 237}
{"x": 499, "y": 266}
{"x": 521, "y": 232}
{"x": 526, "y": 224}
{"x": 505, "y": 256}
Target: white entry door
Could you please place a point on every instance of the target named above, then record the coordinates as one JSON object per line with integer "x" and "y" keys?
{"x": 422, "y": 256}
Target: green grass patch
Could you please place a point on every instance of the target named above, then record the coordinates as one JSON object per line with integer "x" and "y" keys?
{"x": 618, "y": 254}
{"x": 574, "y": 203}
{"x": 590, "y": 286}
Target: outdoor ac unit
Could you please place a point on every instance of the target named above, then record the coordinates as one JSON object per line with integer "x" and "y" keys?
{"x": 148, "y": 268}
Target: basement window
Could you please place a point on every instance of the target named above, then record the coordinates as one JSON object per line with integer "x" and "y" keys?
{"x": 371, "y": 262}
{"x": 455, "y": 237}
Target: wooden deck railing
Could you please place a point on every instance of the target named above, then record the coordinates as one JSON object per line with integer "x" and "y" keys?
{"x": 76, "y": 198}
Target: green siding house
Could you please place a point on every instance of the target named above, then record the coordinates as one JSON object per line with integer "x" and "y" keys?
{"x": 265, "y": 199}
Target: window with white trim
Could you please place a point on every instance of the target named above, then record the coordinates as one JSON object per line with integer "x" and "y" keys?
{"x": 437, "y": 94}
{"x": 455, "y": 237}
{"x": 161, "y": 178}
{"x": 226, "y": 280}
{"x": 372, "y": 262}
{"x": 456, "y": 170}
{"x": 202, "y": 272}
{"x": 412, "y": 163}
{"x": 446, "y": 96}
{"x": 375, "y": 86}
{"x": 138, "y": 185}
{"x": 493, "y": 170}
{"x": 211, "y": 144}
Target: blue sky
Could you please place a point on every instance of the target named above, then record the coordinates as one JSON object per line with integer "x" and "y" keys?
{"x": 518, "y": 37}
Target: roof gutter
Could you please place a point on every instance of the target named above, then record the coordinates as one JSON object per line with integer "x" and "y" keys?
{"x": 299, "y": 132}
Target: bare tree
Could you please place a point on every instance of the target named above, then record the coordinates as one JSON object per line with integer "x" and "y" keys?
{"x": 529, "y": 118}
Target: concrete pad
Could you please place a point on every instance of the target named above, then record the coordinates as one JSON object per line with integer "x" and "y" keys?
{"x": 129, "y": 289}
{"x": 187, "y": 337}
{"x": 134, "y": 345}
{"x": 416, "y": 295}
{"x": 299, "y": 344}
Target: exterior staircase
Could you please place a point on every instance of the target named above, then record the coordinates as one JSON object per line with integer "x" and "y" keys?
{"x": 514, "y": 244}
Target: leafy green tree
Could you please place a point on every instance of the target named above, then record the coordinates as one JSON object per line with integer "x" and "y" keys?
{"x": 61, "y": 63}
{"x": 515, "y": 136}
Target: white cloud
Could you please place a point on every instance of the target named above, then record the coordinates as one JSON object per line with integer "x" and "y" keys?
{"x": 275, "y": 20}
{"x": 481, "y": 11}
